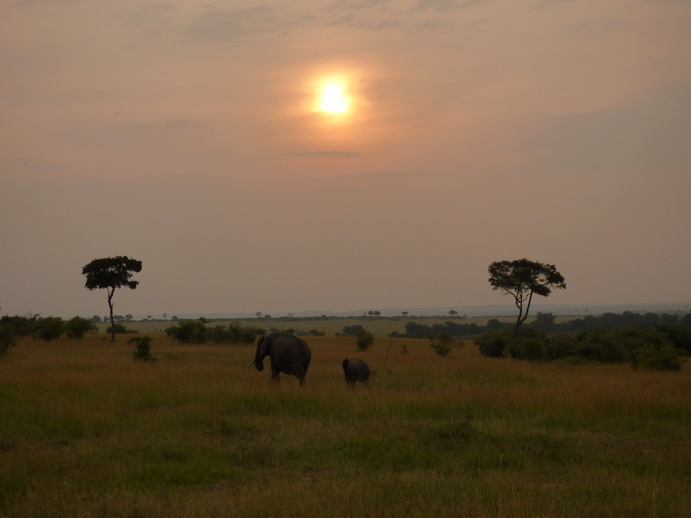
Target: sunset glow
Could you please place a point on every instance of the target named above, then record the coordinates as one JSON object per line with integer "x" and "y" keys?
{"x": 337, "y": 156}
{"x": 333, "y": 99}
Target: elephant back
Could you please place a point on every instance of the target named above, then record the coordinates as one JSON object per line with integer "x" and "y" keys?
{"x": 291, "y": 354}
{"x": 356, "y": 370}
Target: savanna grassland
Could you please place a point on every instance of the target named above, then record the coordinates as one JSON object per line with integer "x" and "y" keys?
{"x": 85, "y": 431}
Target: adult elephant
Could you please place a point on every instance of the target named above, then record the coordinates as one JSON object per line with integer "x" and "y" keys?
{"x": 288, "y": 354}
{"x": 356, "y": 370}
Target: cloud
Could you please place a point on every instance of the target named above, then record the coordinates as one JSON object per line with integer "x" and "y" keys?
{"x": 148, "y": 14}
{"x": 24, "y": 167}
{"x": 446, "y": 6}
{"x": 359, "y": 5}
{"x": 553, "y": 4}
{"x": 32, "y": 3}
{"x": 166, "y": 124}
{"x": 223, "y": 25}
{"x": 325, "y": 153}
{"x": 649, "y": 134}
{"x": 228, "y": 25}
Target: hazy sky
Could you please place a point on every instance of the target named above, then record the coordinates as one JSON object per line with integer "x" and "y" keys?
{"x": 184, "y": 134}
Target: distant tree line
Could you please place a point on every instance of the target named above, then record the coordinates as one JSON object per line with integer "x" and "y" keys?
{"x": 663, "y": 347}
{"x": 644, "y": 340}
{"x": 417, "y": 330}
{"x": 648, "y": 340}
{"x": 12, "y": 328}
{"x": 197, "y": 332}
{"x": 117, "y": 318}
{"x": 547, "y": 322}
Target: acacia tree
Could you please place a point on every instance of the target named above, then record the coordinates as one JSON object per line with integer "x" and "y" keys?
{"x": 521, "y": 279}
{"x": 110, "y": 273}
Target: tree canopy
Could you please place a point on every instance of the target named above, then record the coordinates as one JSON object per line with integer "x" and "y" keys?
{"x": 110, "y": 273}
{"x": 521, "y": 279}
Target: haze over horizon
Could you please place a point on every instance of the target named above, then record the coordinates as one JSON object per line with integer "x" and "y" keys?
{"x": 341, "y": 154}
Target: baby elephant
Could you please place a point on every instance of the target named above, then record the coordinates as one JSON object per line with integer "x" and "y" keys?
{"x": 356, "y": 370}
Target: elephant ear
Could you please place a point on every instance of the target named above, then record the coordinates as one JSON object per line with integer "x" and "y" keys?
{"x": 263, "y": 346}
{"x": 345, "y": 365}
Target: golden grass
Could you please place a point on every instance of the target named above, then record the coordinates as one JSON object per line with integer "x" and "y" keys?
{"x": 86, "y": 431}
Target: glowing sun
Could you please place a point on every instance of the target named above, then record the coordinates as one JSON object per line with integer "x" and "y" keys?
{"x": 333, "y": 99}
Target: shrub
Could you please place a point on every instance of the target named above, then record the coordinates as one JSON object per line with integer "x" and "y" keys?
{"x": 443, "y": 343}
{"x": 142, "y": 350}
{"x": 678, "y": 336}
{"x": 22, "y": 326}
{"x": 528, "y": 345}
{"x": 77, "y": 327}
{"x": 495, "y": 323}
{"x": 601, "y": 346}
{"x": 531, "y": 349}
{"x": 196, "y": 332}
{"x": 8, "y": 337}
{"x": 559, "y": 346}
{"x": 119, "y": 329}
{"x": 353, "y": 330}
{"x": 665, "y": 358}
{"x": 49, "y": 328}
{"x": 659, "y": 346}
{"x": 417, "y": 330}
{"x": 232, "y": 333}
{"x": 364, "y": 340}
{"x": 188, "y": 332}
{"x": 493, "y": 343}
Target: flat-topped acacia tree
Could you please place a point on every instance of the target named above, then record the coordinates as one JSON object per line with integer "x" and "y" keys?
{"x": 110, "y": 273}
{"x": 521, "y": 279}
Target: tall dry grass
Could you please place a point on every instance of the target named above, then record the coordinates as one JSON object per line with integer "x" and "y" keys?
{"x": 86, "y": 431}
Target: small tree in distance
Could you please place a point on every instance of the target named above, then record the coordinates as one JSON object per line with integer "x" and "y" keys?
{"x": 110, "y": 273}
{"x": 521, "y": 279}
{"x": 364, "y": 340}
{"x": 142, "y": 349}
{"x": 443, "y": 343}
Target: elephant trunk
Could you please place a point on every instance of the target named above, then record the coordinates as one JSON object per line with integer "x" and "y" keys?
{"x": 263, "y": 345}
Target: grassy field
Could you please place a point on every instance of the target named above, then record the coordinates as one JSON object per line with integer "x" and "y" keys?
{"x": 85, "y": 431}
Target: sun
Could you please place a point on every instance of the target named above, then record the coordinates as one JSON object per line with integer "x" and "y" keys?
{"x": 333, "y": 98}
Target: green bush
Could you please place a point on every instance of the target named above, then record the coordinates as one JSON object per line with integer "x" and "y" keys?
{"x": 531, "y": 349}
{"x": 232, "y": 333}
{"x": 528, "y": 345}
{"x": 493, "y": 343}
{"x": 142, "y": 350}
{"x": 49, "y": 328}
{"x": 659, "y": 347}
{"x": 119, "y": 329}
{"x": 8, "y": 337}
{"x": 353, "y": 330}
{"x": 77, "y": 327}
{"x": 559, "y": 346}
{"x": 364, "y": 340}
{"x": 600, "y": 345}
{"x": 678, "y": 336}
{"x": 188, "y": 332}
{"x": 22, "y": 326}
{"x": 665, "y": 358}
{"x": 196, "y": 332}
{"x": 443, "y": 343}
